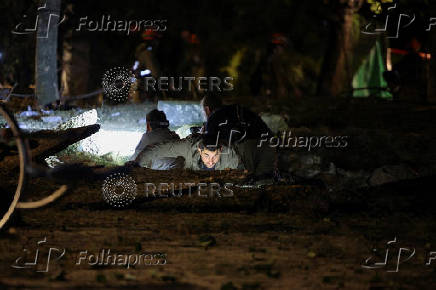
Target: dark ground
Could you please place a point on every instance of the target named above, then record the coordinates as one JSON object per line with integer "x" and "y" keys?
{"x": 276, "y": 237}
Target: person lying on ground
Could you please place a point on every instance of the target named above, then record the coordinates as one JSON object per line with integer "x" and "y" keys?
{"x": 196, "y": 154}
{"x": 242, "y": 129}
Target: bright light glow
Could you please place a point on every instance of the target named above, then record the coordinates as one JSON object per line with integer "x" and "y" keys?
{"x": 185, "y": 131}
{"x": 136, "y": 65}
{"x": 426, "y": 56}
{"x": 1, "y": 55}
{"x": 389, "y": 59}
{"x": 145, "y": 72}
{"x": 84, "y": 119}
{"x": 117, "y": 143}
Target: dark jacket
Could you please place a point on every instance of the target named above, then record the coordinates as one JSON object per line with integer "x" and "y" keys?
{"x": 244, "y": 123}
{"x": 242, "y": 129}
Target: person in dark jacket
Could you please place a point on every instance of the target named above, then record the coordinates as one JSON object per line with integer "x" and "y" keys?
{"x": 241, "y": 129}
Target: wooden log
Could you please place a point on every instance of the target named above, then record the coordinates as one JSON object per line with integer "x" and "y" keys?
{"x": 48, "y": 142}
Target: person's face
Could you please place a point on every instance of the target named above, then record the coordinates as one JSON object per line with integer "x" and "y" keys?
{"x": 210, "y": 158}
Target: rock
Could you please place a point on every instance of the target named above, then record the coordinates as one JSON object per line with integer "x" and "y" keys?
{"x": 85, "y": 119}
{"x": 352, "y": 179}
{"x": 53, "y": 161}
{"x": 49, "y": 142}
{"x": 29, "y": 113}
{"x": 52, "y": 119}
{"x": 180, "y": 113}
{"x": 184, "y": 131}
{"x": 393, "y": 173}
{"x": 275, "y": 122}
{"x": 301, "y": 164}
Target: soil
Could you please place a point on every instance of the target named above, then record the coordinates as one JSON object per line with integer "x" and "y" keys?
{"x": 273, "y": 237}
{"x": 300, "y": 236}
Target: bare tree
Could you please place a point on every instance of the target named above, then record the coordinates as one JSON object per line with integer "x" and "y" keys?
{"x": 46, "y": 78}
{"x": 335, "y": 72}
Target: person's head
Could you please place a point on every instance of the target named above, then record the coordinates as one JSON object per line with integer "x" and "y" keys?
{"x": 209, "y": 104}
{"x": 156, "y": 119}
{"x": 210, "y": 154}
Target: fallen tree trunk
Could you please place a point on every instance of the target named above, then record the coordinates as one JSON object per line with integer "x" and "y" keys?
{"x": 48, "y": 142}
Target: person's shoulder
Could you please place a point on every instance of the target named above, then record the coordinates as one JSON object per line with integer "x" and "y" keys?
{"x": 230, "y": 108}
{"x": 173, "y": 134}
{"x": 151, "y": 135}
{"x": 230, "y": 158}
{"x": 145, "y": 136}
{"x": 225, "y": 109}
{"x": 164, "y": 133}
{"x": 223, "y": 113}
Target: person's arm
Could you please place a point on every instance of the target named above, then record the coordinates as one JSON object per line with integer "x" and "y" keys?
{"x": 170, "y": 149}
